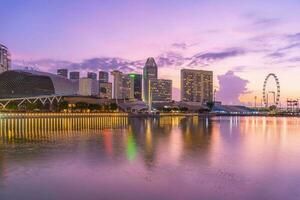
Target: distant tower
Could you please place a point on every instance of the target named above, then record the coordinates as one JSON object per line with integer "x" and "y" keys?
{"x": 62, "y": 72}
{"x": 103, "y": 77}
{"x": 5, "y": 59}
{"x": 149, "y": 72}
{"x": 74, "y": 75}
{"x": 92, "y": 75}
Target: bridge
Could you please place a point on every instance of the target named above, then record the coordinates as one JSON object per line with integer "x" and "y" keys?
{"x": 22, "y": 100}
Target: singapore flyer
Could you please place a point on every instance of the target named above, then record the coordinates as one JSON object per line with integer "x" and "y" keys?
{"x": 275, "y": 92}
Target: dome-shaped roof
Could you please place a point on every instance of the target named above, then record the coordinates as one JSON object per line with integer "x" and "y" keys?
{"x": 28, "y": 83}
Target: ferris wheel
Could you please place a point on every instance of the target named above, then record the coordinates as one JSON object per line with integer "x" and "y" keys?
{"x": 276, "y": 94}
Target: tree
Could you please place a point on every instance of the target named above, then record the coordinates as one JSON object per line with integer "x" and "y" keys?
{"x": 12, "y": 106}
{"x": 81, "y": 105}
{"x": 210, "y": 105}
{"x": 94, "y": 106}
{"x": 63, "y": 105}
{"x": 183, "y": 109}
{"x": 113, "y": 106}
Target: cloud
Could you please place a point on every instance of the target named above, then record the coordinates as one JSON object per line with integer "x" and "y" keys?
{"x": 231, "y": 88}
{"x": 276, "y": 55}
{"x": 220, "y": 55}
{"x": 170, "y": 58}
{"x": 182, "y": 46}
{"x": 93, "y": 64}
{"x": 239, "y": 68}
{"x": 204, "y": 59}
{"x": 295, "y": 36}
{"x": 290, "y": 46}
{"x": 266, "y": 22}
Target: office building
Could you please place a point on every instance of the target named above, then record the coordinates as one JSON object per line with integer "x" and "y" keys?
{"x": 62, "y": 72}
{"x": 5, "y": 59}
{"x": 196, "y": 85}
{"x": 30, "y": 83}
{"x": 137, "y": 86}
{"x": 88, "y": 87}
{"x": 105, "y": 90}
{"x": 123, "y": 85}
{"x": 160, "y": 90}
{"x": 74, "y": 75}
{"x": 92, "y": 75}
{"x": 149, "y": 72}
{"x": 103, "y": 77}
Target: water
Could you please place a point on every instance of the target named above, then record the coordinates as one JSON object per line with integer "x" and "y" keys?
{"x": 167, "y": 158}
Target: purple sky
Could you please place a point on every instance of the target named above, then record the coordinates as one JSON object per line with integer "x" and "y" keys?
{"x": 241, "y": 41}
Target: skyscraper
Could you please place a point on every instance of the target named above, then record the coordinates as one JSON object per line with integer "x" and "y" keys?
{"x": 88, "y": 87}
{"x": 123, "y": 85}
{"x": 160, "y": 90}
{"x": 103, "y": 77}
{"x": 74, "y": 75}
{"x": 5, "y": 59}
{"x": 62, "y": 72}
{"x": 196, "y": 85}
{"x": 149, "y": 72}
{"x": 105, "y": 90}
{"x": 92, "y": 75}
{"x": 137, "y": 88}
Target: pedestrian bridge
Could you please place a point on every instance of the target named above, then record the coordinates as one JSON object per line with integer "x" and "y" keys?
{"x": 22, "y": 100}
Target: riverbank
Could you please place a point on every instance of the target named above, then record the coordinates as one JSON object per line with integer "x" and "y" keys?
{"x": 134, "y": 115}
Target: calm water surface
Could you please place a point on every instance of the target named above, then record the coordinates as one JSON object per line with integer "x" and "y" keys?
{"x": 167, "y": 158}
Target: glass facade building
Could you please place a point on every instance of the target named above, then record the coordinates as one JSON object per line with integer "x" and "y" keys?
{"x": 137, "y": 86}
{"x": 149, "y": 72}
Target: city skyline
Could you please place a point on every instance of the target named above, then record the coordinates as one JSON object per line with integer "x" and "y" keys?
{"x": 242, "y": 48}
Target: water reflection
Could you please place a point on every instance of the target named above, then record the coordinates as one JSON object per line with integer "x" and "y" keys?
{"x": 54, "y": 127}
{"x": 213, "y": 158}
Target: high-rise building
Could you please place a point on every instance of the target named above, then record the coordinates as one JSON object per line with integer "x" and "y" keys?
{"x": 196, "y": 85}
{"x": 105, "y": 90}
{"x": 103, "y": 77}
{"x": 137, "y": 86}
{"x": 5, "y": 59}
{"x": 149, "y": 72}
{"x": 160, "y": 90}
{"x": 88, "y": 87}
{"x": 92, "y": 75}
{"x": 74, "y": 75}
{"x": 123, "y": 85}
{"x": 62, "y": 72}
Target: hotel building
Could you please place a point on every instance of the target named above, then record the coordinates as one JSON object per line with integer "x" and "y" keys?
{"x": 160, "y": 90}
{"x": 105, "y": 90}
{"x": 123, "y": 85}
{"x": 196, "y": 85}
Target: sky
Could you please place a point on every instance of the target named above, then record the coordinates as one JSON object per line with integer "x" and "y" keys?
{"x": 240, "y": 41}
